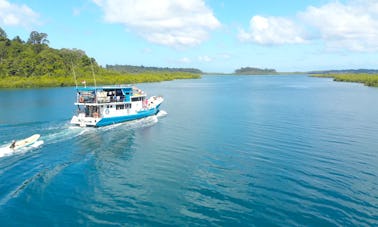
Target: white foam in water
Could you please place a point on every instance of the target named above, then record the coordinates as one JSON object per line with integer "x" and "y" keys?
{"x": 141, "y": 123}
{"x": 162, "y": 113}
{"x": 37, "y": 144}
{"x": 5, "y": 151}
{"x": 65, "y": 132}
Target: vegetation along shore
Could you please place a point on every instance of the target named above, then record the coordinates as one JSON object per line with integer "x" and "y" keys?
{"x": 368, "y": 79}
{"x": 34, "y": 64}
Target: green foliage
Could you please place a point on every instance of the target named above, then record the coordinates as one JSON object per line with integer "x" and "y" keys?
{"x": 35, "y": 64}
{"x": 141, "y": 69}
{"x": 105, "y": 77}
{"x": 25, "y": 60}
{"x": 254, "y": 71}
{"x": 3, "y": 34}
{"x": 367, "y": 79}
{"x": 35, "y": 58}
{"x": 38, "y": 38}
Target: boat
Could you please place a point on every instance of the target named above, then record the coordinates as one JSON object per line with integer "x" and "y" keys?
{"x": 106, "y": 105}
{"x": 24, "y": 142}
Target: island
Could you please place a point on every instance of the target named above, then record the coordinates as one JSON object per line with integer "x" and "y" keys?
{"x": 254, "y": 71}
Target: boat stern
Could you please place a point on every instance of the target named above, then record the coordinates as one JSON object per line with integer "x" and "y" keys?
{"x": 83, "y": 121}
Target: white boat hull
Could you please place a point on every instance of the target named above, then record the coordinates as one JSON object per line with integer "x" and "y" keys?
{"x": 26, "y": 142}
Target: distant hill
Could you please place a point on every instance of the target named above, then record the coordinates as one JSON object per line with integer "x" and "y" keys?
{"x": 254, "y": 71}
{"x": 345, "y": 71}
{"x": 142, "y": 69}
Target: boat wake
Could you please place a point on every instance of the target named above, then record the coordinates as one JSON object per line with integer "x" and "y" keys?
{"x": 61, "y": 133}
{"x": 135, "y": 124}
{"x": 162, "y": 113}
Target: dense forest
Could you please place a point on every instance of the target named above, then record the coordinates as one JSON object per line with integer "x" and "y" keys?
{"x": 142, "y": 69}
{"x": 35, "y": 58}
{"x": 254, "y": 71}
{"x": 33, "y": 63}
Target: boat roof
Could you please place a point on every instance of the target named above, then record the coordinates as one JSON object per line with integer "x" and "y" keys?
{"x": 113, "y": 87}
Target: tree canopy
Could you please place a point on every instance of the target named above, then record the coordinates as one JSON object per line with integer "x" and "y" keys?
{"x": 3, "y": 34}
{"x": 35, "y": 64}
{"x": 36, "y": 58}
{"x": 38, "y": 38}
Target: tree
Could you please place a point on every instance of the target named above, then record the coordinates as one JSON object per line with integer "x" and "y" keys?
{"x": 17, "y": 39}
{"x": 3, "y": 34}
{"x": 38, "y": 38}
{"x": 36, "y": 59}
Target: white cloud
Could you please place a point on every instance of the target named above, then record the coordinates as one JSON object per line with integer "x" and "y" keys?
{"x": 184, "y": 60}
{"x": 224, "y": 55}
{"x": 205, "y": 58}
{"x": 352, "y": 26}
{"x": 272, "y": 30}
{"x": 16, "y": 15}
{"x": 166, "y": 22}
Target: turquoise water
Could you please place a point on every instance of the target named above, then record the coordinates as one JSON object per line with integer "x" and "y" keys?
{"x": 266, "y": 150}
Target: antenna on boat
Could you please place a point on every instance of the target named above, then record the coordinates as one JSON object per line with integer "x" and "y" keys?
{"x": 94, "y": 77}
{"x": 74, "y": 74}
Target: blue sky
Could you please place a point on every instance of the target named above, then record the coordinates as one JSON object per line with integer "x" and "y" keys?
{"x": 214, "y": 36}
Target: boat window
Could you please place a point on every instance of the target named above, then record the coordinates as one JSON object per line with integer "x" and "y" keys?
{"x": 128, "y": 105}
{"x": 136, "y": 99}
{"x": 118, "y": 92}
{"x": 120, "y": 107}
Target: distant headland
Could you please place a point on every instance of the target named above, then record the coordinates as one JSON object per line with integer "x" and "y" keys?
{"x": 254, "y": 71}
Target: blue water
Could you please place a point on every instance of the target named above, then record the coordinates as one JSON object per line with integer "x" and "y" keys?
{"x": 265, "y": 150}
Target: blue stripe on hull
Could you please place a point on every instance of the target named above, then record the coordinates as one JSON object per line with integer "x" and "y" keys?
{"x": 115, "y": 120}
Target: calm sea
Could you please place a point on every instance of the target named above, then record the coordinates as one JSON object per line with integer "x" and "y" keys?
{"x": 245, "y": 150}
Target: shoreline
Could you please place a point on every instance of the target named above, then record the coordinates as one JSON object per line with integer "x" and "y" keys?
{"x": 370, "y": 80}
{"x": 45, "y": 81}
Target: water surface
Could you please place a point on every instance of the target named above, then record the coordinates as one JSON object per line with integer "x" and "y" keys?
{"x": 246, "y": 150}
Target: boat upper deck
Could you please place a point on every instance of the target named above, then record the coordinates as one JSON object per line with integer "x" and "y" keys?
{"x": 108, "y": 94}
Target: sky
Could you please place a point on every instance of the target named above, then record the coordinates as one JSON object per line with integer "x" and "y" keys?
{"x": 211, "y": 35}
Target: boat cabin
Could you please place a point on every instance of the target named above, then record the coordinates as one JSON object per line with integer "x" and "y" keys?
{"x": 109, "y": 101}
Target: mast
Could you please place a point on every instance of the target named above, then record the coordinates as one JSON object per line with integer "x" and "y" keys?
{"x": 94, "y": 77}
{"x": 94, "y": 80}
{"x": 74, "y": 74}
